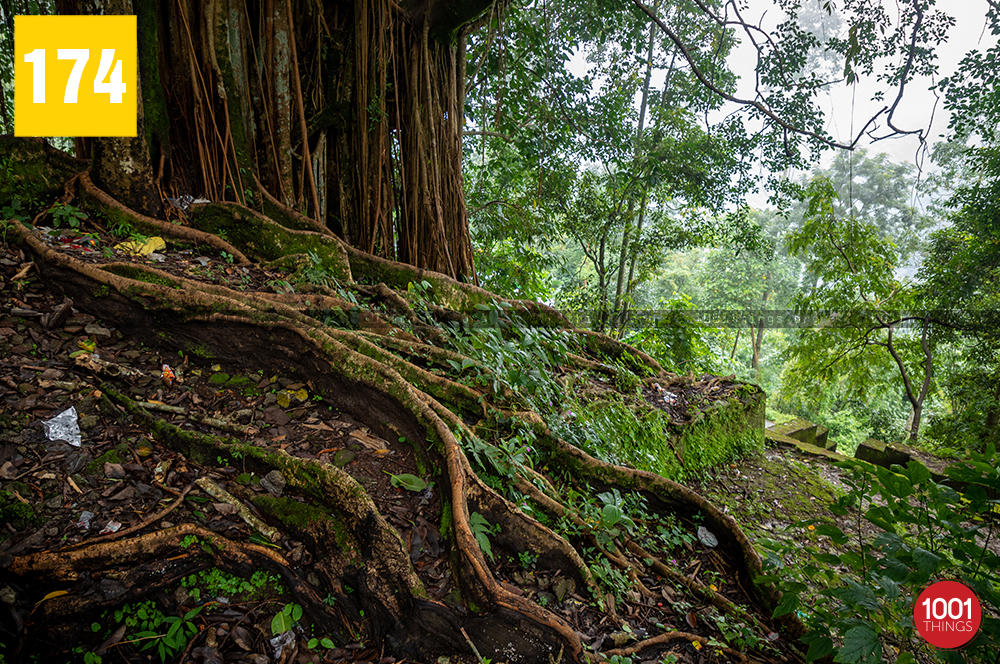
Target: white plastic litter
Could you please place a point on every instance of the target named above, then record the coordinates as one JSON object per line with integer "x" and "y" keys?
{"x": 112, "y": 527}
{"x": 84, "y": 522}
{"x": 64, "y": 427}
{"x": 279, "y": 642}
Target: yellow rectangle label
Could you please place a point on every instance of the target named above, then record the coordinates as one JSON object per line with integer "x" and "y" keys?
{"x": 75, "y": 76}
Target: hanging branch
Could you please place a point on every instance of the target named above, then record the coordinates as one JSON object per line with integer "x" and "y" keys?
{"x": 302, "y": 113}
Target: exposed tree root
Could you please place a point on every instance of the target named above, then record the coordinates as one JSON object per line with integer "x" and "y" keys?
{"x": 383, "y": 376}
{"x": 114, "y": 208}
{"x": 667, "y": 637}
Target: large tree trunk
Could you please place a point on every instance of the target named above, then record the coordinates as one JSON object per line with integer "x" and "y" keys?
{"x": 381, "y": 89}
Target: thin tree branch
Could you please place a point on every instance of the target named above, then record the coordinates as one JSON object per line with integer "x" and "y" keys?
{"x": 725, "y": 95}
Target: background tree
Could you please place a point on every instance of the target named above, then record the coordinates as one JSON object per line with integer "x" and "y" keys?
{"x": 862, "y": 311}
{"x": 748, "y": 283}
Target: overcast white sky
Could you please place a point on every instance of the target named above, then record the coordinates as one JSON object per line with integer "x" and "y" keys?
{"x": 919, "y": 102}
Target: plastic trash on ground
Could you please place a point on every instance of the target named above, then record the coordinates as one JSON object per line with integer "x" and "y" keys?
{"x": 282, "y": 640}
{"x": 64, "y": 427}
{"x": 112, "y": 527}
{"x": 84, "y": 521}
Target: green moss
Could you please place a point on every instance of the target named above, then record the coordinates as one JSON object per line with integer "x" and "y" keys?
{"x": 259, "y": 237}
{"x": 14, "y": 512}
{"x": 290, "y": 511}
{"x": 219, "y": 378}
{"x": 31, "y": 173}
{"x": 305, "y": 518}
{"x": 200, "y": 351}
{"x": 111, "y": 456}
{"x": 137, "y": 273}
{"x": 796, "y": 490}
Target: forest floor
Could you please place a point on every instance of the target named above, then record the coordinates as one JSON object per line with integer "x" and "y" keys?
{"x": 57, "y": 496}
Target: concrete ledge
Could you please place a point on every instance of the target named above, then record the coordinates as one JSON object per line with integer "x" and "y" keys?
{"x": 800, "y": 429}
{"x": 880, "y": 454}
{"x": 807, "y": 448}
{"x": 823, "y": 438}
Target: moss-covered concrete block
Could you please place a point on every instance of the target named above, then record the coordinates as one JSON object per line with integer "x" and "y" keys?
{"x": 880, "y": 454}
{"x": 781, "y": 440}
{"x": 823, "y": 438}
{"x": 800, "y": 429}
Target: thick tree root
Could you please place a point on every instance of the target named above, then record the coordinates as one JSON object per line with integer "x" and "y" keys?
{"x": 667, "y": 637}
{"x": 383, "y": 377}
{"x": 114, "y": 209}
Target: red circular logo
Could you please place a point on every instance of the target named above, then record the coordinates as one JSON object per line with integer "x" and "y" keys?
{"x": 947, "y": 614}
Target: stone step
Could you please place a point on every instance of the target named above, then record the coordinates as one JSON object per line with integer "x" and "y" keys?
{"x": 880, "y": 454}
{"x": 808, "y": 448}
{"x": 800, "y": 429}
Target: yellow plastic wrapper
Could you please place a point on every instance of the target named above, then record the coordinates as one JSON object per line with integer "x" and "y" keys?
{"x": 142, "y": 248}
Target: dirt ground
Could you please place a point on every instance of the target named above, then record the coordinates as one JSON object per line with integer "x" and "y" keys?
{"x": 115, "y": 480}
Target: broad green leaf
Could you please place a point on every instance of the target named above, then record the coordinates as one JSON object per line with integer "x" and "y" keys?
{"x": 857, "y": 595}
{"x": 789, "y": 602}
{"x": 833, "y": 532}
{"x": 820, "y": 645}
{"x": 926, "y": 562}
{"x": 895, "y": 484}
{"x": 408, "y": 482}
{"x": 882, "y": 517}
{"x": 917, "y": 472}
{"x": 610, "y": 515}
{"x": 860, "y": 645}
{"x": 282, "y": 621}
{"x": 888, "y": 586}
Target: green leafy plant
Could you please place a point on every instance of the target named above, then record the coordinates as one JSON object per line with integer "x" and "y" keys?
{"x": 482, "y": 530}
{"x": 285, "y": 619}
{"x": 64, "y": 213}
{"x": 527, "y": 559}
{"x": 316, "y": 272}
{"x": 15, "y": 209}
{"x": 147, "y": 624}
{"x": 323, "y": 641}
{"x": 857, "y": 595}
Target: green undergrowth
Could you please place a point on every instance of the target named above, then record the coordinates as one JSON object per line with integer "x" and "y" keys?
{"x": 161, "y": 628}
{"x": 855, "y": 581}
{"x": 213, "y": 583}
{"x": 605, "y": 416}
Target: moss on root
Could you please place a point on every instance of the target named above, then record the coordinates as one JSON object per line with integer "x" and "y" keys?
{"x": 259, "y": 236}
